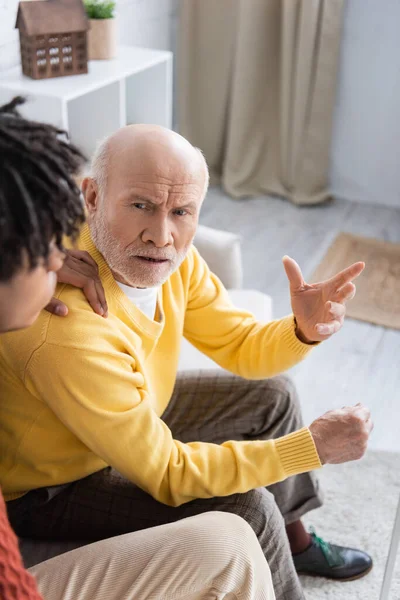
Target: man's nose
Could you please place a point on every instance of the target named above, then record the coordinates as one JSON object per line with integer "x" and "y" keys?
{"x": 158, "y": 232}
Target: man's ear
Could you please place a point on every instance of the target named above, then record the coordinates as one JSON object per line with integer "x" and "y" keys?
{"x": 90, "y": 192}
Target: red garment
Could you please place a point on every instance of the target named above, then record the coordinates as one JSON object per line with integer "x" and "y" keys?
{"x": 15, "y": 581}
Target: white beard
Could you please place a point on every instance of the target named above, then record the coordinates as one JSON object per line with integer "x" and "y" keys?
{"x": 120, "y": 261}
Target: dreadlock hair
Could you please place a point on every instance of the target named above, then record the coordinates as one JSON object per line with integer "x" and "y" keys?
{"x": 39, "y": 199}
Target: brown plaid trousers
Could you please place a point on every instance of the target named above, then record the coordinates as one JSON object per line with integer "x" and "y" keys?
{"x": 211, "y": 406}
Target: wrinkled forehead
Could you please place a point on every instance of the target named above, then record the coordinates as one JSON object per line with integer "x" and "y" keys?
{"x": 155, "y": 161}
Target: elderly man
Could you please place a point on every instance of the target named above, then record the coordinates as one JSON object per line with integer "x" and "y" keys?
{"x": 103, "y": 439}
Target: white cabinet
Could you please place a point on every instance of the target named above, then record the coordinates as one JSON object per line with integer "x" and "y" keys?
{"x": 136, "y": 87}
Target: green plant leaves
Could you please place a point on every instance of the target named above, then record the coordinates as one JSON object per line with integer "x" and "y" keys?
{"x": 99, "y": 9}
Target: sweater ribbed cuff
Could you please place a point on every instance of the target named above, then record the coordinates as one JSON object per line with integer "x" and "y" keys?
{"x": 297, "y": 452}
{"x": 289, "y": 335}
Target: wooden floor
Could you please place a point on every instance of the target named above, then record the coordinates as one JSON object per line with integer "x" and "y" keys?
{"x": 362, "y": 362}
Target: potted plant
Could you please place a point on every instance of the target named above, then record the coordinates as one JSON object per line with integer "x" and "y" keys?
{"x": 102, "y": 35}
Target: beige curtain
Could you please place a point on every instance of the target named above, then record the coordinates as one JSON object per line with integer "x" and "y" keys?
{"x": 256, "y": 92}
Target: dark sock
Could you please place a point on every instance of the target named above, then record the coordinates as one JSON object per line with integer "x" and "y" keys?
{"x": 298, "y": 536}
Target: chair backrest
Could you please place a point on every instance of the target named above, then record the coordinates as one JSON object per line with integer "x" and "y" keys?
{"x": 222, "y": 252}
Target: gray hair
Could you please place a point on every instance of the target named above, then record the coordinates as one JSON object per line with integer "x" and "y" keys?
{"x": 207, "y": 177}
{"x": 99, "y": 165}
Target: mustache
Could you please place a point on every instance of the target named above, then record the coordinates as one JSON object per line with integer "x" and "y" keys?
{"x": 157, "y": 255}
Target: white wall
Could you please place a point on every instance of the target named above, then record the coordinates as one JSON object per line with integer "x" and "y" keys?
{"x": 8, "y": 36}
{"x": 149, "y": 23}
{"x": 366, "y": 144}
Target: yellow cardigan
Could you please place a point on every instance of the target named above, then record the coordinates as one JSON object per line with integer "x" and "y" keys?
{"x": 82, "y": 392}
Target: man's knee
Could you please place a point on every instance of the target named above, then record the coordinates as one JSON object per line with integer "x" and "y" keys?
{"x": 281, "y": 395}
{"x": 222, "y": 536}
{"x": 215, "y": 529}
{"x": 220, "y": 551}
{"x": 259, "y": 509}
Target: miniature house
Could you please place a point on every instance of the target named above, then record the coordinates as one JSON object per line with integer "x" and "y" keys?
{"x": 52, "y": 37}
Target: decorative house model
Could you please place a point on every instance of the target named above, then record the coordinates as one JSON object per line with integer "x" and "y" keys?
{"x": 52, "y": 37}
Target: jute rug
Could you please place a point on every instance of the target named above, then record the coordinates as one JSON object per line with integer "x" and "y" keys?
{"x": 378, "y": 288}
{"x": 359, "y": 510}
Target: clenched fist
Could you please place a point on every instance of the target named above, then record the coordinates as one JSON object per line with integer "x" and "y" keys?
{"x": 342, "y": 435}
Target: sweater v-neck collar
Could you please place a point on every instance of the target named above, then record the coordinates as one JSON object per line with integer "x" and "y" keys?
{"x": 150, "y": 327}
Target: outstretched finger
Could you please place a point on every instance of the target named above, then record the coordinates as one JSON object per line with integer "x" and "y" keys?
{"x": 293, "y": 273}
{"x": 347, "y": 275}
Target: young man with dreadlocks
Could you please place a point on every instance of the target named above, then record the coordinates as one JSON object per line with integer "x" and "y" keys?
{"x": 211, "y": 555}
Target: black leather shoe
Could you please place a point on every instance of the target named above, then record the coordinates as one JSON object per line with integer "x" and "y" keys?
{"x": 322, "y": 559}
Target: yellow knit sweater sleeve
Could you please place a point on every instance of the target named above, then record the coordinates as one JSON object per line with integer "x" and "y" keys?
{"x": 233, "y": 338}
{"x": 100, "y": 396}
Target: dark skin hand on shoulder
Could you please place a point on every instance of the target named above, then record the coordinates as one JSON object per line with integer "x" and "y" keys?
{"x": 80, "y": 270}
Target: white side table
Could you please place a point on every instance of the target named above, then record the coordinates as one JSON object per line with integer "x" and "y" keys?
{"x": 136, "y": 87}
{"x": 391, "y": 559}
